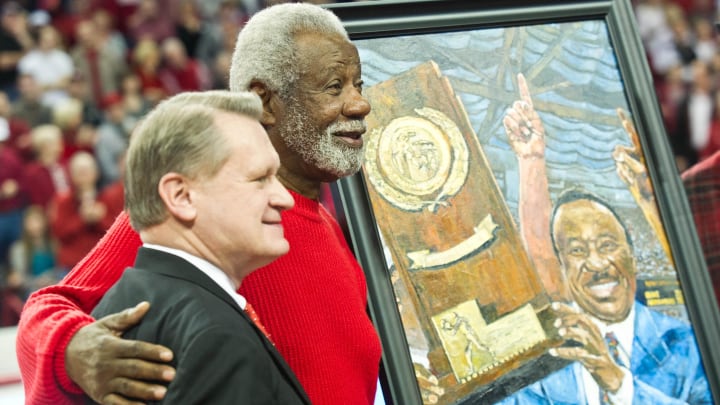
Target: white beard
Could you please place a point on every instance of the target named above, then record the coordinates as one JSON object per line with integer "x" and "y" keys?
{"x": 320, "y": 148}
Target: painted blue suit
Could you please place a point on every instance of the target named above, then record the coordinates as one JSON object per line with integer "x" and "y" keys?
{"x": 665, "y": 363}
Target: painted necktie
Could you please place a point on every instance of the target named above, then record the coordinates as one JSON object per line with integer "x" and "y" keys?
{"x": 614, "y": 350}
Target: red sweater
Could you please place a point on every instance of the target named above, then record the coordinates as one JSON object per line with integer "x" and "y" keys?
{"x": 312, "y": 301}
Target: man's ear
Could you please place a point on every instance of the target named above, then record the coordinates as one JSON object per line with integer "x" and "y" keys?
{"x": 175, "y": 191}
{"x": 269, "y": 101}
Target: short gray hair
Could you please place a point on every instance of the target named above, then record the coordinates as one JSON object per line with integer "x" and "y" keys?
{"x": 266, "y": 46}
{"x": 179, "y": 135}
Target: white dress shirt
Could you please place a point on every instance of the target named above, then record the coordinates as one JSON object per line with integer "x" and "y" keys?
{"x": 625, "y": 333}
{"x": 212, "y": 271}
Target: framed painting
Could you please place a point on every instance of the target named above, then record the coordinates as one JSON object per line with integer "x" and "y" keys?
{"x": 519, "y": 215}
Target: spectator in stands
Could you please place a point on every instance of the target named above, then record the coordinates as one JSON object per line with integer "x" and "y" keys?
{"x": 96, "y": 60}
{"x": 189, "y": 26}
{"x": 146, "y": 61}
{"x": 112, "y": 139}
{"x": 108, "y": 35}
{"x": 113, "y": 194}
{"x": 135, "y": 103}
{"x": 15, "y": 40}
{"x": 219, "y": 70}
{"x": 28, "y": 106}
{"x": 19, "y": 138}
{"x": 79, "y": 216}
{"x": 230, "y": 27}
{"x": 650, "y": 16}
{"x": 671, "y": 89}
{"x": 121, "y": 10}
{"x": 704, "y": 47}
{"x": 713, "y": 143}
{"x": 202, "y": 40}
{"x": 11, "y": 193}
{"x": 77, "y": 135}
{"x": 238, "y": 10}
{"x": 80, "y": 90}
{"x": 230, "y": 23}
{"x": 66, "y": 15}
{"x": 179, "y": 72}
{"x": 715, "y": 68}
{"x": 682, "y": 35}
{"x": 32, "y": 257}
{"x": 47, "y": 174}
{"x": 50, "y": 65}
{"x": 153, "y": 19}
{"x": 693, "y": 118}
{"x": 702, "y": 185}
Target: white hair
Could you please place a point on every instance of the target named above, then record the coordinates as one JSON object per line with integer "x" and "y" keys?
{"x": 265, "y": 49}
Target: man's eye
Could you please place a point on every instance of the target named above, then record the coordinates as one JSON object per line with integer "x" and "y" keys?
{"x": 577, "y": 251}
{"x": 607, "y": 246}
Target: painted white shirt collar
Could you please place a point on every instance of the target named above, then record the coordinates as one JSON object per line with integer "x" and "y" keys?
{"x": 625, "y": 333}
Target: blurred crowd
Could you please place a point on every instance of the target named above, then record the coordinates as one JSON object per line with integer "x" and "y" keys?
{"x": 75, "y": 78}
{"x": 682, "y": 46}
{"x": 77, "y": 75}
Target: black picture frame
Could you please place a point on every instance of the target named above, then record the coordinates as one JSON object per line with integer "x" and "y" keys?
{"x": 380, "y": 20}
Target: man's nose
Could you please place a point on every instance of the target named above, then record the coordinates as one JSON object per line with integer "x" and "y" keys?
{"x": 281, "y": 198}
{"x": 596, "y": 262}
{"x": 356, "y": 105}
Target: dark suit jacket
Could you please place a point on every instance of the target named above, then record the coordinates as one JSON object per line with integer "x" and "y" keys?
{"x": 220, "y": 356}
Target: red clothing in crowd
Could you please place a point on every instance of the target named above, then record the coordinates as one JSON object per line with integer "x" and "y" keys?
{"x": 312, "y": 301}
{"x": 114, "y": 197}
{"x": 72, "y": 144}
{"x": 702, "y": 185}
{"x": 150, "y": 83}
{"x": 45, "y": 183}
{"x": 713, "y": 144}
{"x": 20, "y": 138}
{"x": 192, "y": 77}
{"x": 11, "y": 168}
{"x": 75, "y": 236}
{"x": 121, "y": 10}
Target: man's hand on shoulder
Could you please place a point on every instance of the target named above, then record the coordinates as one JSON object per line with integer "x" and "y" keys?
{"x": 112, "y": 370}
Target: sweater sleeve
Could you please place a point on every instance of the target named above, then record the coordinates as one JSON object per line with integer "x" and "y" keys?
{"x": 53, "y": 314}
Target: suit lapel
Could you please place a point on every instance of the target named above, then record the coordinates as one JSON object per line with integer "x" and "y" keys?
{"x": 173, "y": 266}
{"x": 169, "y": 265}
{"x": 649, "y": 349}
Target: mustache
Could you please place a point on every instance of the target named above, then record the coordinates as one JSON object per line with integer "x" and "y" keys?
{"x": 602, "y": 276}
{"x": 348, "y": 126}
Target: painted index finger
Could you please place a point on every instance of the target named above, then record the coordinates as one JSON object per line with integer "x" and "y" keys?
{"x": 523, "y": 88}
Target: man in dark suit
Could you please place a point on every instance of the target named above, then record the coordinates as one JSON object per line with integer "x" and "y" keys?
{"x": 194, "y": 158}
